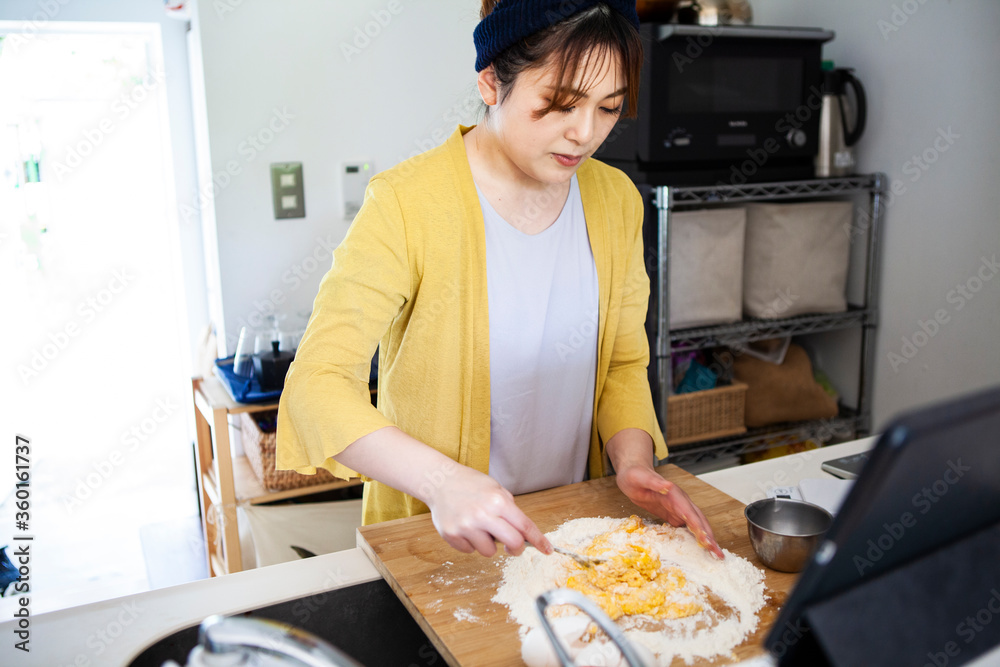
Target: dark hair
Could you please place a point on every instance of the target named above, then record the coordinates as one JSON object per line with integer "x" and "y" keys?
{"x": 599, "y": 29}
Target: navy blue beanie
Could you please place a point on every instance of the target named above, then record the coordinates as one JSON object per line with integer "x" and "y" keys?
{"x": 513, "y": 20}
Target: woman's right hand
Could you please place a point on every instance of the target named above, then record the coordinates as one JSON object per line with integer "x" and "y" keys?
{"x": 469, "y": 509}
{"x": 472, "y": 512}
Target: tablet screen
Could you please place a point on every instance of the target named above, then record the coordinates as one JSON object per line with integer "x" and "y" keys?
{"x": 933, "y": 478}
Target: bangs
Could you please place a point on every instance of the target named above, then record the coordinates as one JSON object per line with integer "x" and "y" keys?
{"x": 586, "y": 60}
{"x": 579, "y": 46}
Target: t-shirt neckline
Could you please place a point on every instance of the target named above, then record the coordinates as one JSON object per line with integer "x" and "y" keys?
{"x": 563, "y": 213}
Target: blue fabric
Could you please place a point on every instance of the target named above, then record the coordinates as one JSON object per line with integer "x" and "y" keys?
{"x": 697, "y": 378}
{"x": 8, "y": 571}
{"x": 513, "y": 20}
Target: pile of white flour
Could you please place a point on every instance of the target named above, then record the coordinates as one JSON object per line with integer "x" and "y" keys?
{"x": 734, "y": 581}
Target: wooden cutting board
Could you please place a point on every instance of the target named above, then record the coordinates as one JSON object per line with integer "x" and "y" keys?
{"x": 449, "y": 593}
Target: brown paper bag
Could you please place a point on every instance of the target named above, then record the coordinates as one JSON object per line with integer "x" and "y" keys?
{"x": 782, "y": 393}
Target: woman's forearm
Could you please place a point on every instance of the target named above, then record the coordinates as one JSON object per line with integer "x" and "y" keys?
{"x": 469, "y": 509}
{"x": 400, "y": 461}
{"x": 630, "y": 447}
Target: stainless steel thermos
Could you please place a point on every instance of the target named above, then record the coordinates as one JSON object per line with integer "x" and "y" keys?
{"x": 841, "y": 122}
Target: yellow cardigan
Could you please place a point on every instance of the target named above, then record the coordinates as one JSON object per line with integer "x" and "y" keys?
{"x": 411, "y": 275}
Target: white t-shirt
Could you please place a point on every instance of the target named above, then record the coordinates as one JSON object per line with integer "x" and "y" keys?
{"x": 543, "y": 312}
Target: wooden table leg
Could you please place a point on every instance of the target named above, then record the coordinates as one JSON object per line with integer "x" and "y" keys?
{"x": 227, "y": 518}
{"x": 203, "y": 433}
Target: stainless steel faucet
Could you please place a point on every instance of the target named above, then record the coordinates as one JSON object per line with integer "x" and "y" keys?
{"x": 240, "y": 641}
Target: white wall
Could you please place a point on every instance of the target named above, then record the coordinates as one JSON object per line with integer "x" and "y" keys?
{"x": 178, "y": 90}
{"x": 930, "y": 68}
{"x": 402, "y": 92}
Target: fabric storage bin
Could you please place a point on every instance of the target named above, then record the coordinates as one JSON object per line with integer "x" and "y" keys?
{"x": 259, "y": 445}
{"x": 706, "y": 267}
{"x": 703, "y": 415}
{"x": 796, "y": 258}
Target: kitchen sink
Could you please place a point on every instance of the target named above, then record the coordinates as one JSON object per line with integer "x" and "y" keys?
{"x": 366, "y": 621}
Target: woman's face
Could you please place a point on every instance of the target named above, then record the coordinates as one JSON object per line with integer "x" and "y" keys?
{"x": 550, "y": 149}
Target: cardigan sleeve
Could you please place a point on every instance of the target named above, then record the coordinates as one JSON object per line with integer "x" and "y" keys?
{"x": 326, "y": 404}
{"x": 626, "y": 400}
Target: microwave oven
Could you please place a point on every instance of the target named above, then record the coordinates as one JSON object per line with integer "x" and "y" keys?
{"x": 730, "y": 104}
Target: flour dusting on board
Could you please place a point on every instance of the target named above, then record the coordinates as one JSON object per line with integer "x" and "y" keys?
{"x": 664, "y": 590}
{"x": 462, "y": 614}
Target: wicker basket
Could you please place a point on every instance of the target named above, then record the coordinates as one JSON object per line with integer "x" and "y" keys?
{"x": 703, "y": 415}
{"x": 259, "y": 446}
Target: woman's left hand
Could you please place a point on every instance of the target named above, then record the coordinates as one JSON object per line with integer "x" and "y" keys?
{"x": 648, "y": 490}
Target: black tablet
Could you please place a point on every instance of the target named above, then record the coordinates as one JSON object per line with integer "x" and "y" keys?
{"x": 930, "y": 494}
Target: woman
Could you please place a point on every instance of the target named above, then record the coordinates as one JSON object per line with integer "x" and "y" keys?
{"x": 502, "y": 272}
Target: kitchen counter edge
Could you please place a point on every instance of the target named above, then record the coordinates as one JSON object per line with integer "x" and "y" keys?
{"x": 113, "y": 632}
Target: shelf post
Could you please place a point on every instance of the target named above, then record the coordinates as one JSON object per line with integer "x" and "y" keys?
{"x": 866, "y": 377}
{"x": 664, "y": 204}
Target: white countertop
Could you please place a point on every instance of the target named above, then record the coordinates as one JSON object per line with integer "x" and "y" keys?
{"x": 114, "y": 631}
{"x": 752, "y": 482}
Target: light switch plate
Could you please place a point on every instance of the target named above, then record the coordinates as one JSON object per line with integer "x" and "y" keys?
{"x": 355, "y": 177}
{"x": 287, "y": 190}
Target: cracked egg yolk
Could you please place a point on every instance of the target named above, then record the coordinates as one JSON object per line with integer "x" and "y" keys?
{"x": 631, "y": 580}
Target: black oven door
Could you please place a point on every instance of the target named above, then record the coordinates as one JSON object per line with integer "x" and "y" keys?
{"x": 714, "y": 94}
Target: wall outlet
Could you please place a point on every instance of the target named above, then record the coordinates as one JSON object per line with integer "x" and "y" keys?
{"x": 287, "y": 191}
{"x": 354, "y": 181}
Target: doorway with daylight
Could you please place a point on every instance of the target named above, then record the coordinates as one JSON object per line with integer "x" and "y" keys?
{"x": 97, "y": 372}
